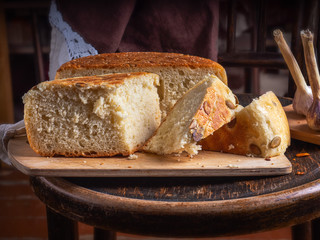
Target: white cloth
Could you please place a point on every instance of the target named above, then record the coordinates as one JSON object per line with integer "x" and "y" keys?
{"x": 8, "y": 131}
{"x": 58, "y": 52}
{"x": 65, "y": 45}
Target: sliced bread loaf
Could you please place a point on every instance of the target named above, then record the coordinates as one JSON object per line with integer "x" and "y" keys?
{"x": 260, "y": 129}
{"x": 202, "y": 110}
{"x": 178, "y": 72}
{"x": 92, "y": 116}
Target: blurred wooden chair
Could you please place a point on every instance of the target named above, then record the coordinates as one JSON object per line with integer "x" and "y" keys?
{"x": 7, "y": 111}
{"x": 6, "y": 101}
{"x": 6, "y": 91}
{"x": 259, "y": 56}
{"x": 303, "y": 15}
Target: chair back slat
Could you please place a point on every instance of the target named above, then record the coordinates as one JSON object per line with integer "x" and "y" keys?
{"x": 263, "y": 52}
{"x": 231, "y": 33}
{"x": 261, "y": 26}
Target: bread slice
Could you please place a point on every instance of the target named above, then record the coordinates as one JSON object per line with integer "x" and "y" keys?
{"x": 202, "y": 110}
{"x": 178, "y": 72}
{"x": 260, "y": 129}
{"x": 92, "y": 116}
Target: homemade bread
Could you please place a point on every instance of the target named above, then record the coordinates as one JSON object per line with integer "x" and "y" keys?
{"x": 260, "y": 129}
{"x": 92, "y": 116}
{"x": 178, "y": 72}
{"x": 202, "y": 110}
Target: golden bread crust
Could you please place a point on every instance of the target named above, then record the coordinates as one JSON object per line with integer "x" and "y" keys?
{"x": 216, "y": 109}
{"x": 141, "y": 60}
{"x": 82, "y": 154}
{"x": 260, "y": 129}
{"x": 108, "y": 80}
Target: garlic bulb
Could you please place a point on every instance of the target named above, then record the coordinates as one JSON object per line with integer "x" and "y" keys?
{"x": 313, "y": 118}
{"x": 303, "y": 98}
{"x": 313, "y": 115}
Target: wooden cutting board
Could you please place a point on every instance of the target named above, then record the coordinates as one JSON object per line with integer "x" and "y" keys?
{"x": 205, "y": 164}
{"x": 299, "y": 128}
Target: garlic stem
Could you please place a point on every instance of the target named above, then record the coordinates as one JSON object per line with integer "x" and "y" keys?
{"x": 311, "y": 63}
{"x": 290, "y": 60}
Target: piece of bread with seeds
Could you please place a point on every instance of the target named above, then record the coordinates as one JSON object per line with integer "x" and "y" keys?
{"x": 202, "y": 110}
{"x": 260, "y": 129}
{"x": 178, "y": 72}
{"x": 92, "y": 116}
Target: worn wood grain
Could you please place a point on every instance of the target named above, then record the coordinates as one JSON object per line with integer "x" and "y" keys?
{"x": 206, "y": 163}
{"x": 180, "y": 218}
{"x": 299, "y": 128}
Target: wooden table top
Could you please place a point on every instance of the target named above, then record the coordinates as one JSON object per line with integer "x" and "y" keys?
{"x": 192, "y": 206}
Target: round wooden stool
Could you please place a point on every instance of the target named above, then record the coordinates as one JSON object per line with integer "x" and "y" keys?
{"x": 187, "y": 206}
{"x": 177, "y": 207}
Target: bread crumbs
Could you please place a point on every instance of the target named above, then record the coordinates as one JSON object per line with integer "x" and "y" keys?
{"x": 233, "y": 166}
{"x": 231, "y": 146}
{"x": 132, "y": 157}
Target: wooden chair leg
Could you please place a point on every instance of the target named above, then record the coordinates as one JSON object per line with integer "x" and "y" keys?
{"x": 101, "y": 234}
{"x": 6, "y": 99}
{"x": 60, "y": 227}
{"x": 301, "y": 231}
{"x": 315, "y": 228}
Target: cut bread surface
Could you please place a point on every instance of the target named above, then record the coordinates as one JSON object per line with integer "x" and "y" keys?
{"x": 92, "y": 116}
{"x": 202, "y": 110}
{"x": 178, "y": 72}
{"x": 260, "y": 129}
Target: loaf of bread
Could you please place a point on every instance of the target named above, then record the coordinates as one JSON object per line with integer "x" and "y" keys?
{"x": 92, "y": 116}
{"x": 202, "y": 110}
{"x": 178, "y": 72}
{"x": 260, "y": 129}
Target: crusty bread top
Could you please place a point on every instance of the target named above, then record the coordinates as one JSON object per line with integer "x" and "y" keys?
{"x": 141, "y": 60}
{"x": 108, "y": 80}
{"x": 260, "y": 129}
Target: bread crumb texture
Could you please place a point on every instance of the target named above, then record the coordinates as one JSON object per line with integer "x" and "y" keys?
{"x": 92, "y": 116}
{"x": 201, "y": 111}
